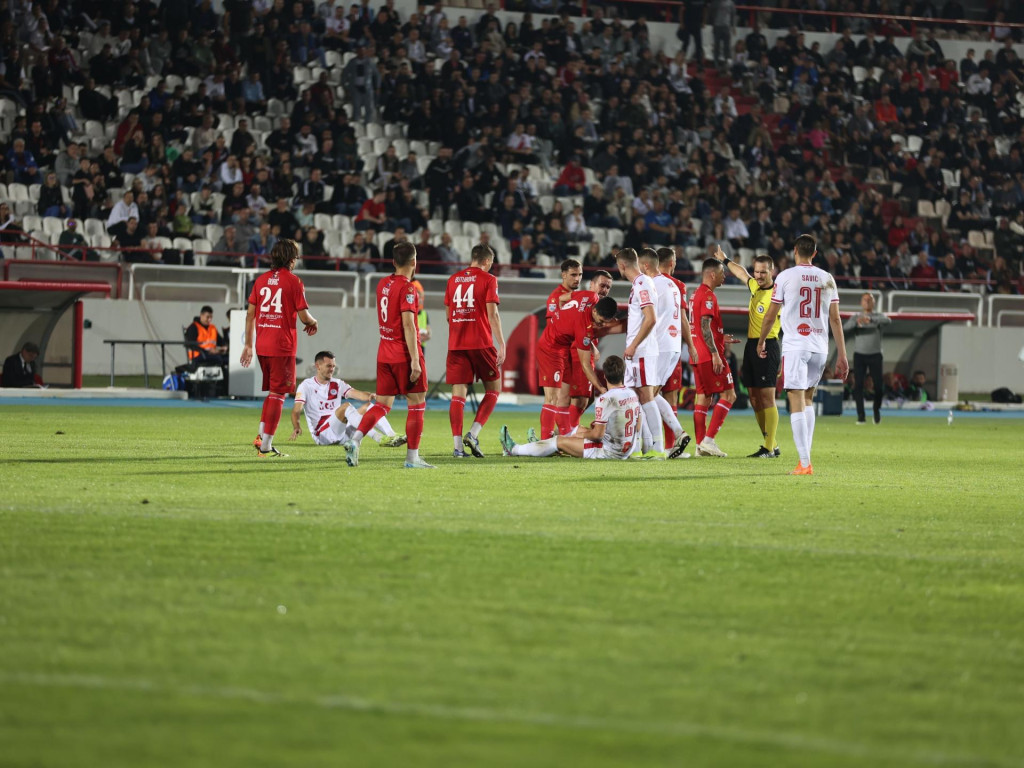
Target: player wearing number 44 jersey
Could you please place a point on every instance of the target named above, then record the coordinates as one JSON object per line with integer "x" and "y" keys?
{"x": 809, "y": 303}
{"x": 401, "y": 369}
{"x": 617, "y": 416}
{"x": 277, "y": 298}
{"x": 331, "y": 420}
{"x": 473, "y": 324}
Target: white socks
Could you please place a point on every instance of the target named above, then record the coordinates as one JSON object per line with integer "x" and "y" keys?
{"x": 475, "y": 429}
{"x": 809, "y": 427}
{"x": 798, "y": 422}
{"x": 412, "y": 455}
{"x": 384, "y": 426}
{"x": 541, "y": 449}
{"x": 652, "y": 424}
{"x": 668, "y": 416}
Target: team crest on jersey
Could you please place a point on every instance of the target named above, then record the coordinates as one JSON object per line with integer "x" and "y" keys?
{"x": 332, "y": 391}
{"x": 645, "y": 297}
{"x": 586, "y": 341}
{"x": 708, "y": 304}
{"x": 410, "y": 299}
{"x": 760, "y": 309}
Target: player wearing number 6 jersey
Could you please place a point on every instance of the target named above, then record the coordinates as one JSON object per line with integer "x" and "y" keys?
{"x": 277, "y": 298}
{"x": 401, "y": 369}
{"x": 809, "y": 304}
{"x": 617, "y": 417}
{"x": 471, "y": 297}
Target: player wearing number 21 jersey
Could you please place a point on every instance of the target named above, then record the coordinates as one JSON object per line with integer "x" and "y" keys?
{"x": 276, "y": 300}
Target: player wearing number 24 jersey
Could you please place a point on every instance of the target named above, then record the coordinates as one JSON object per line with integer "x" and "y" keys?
{"x": 276, "y": 300}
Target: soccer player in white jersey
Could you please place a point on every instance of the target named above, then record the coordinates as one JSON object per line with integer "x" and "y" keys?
{"x": 670, "y": 330}
{"x": 809, "y": 303}
{"x": 330, "y": 419}
{"x": 613, "y": 434}
{"x": 641, "y": 354}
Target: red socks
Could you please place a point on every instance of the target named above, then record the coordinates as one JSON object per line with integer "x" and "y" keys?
{"x": 455, "y": 414}
{"x": 272, "y": 407}
{"x": 483, "y": 413}
{"x": 574, "y": 417}
{"x": 374, "y": 414}
{"x": 414, "y": 425}
{"x": 547, "y": 421}
{"x": 562, "y": 419}
{"x": 721, "y": 411}
{"x": 700, "y": 413}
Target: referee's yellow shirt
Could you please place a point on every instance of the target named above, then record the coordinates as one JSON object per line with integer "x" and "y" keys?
{"x": 760, "y": 298}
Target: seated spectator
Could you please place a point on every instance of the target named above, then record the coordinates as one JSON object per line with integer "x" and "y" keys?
{"x": 130, "y": 242}
{"x": 123, "y": 210}
{"x": 372, "y": 214}
{"x": 228, "y": 251}
{"x": 924, "y": 277}
{"x": 576, "y": 226}
{"x": 525, "y": 257}
{"x": 950, "y": 275}
{"x": 361, "y": 255}
{"x": 20, "y": 368}
{"x": 572, "y": 180}
{"x": 51, "y": 198}
{"x": 203, "y": 341}
{"x": 314, "y": 253}
{"x": 22, "y": 163}
{"x": 916, "y": 391}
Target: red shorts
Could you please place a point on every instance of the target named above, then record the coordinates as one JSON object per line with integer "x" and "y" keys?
{"x": 579, "y": 384}
{"x": 711, "y": 383}
{"x": 552, "y": 365}
{"x": 675, "y": 381}
{"x": 468, "y": 365}
{"x": 393, "y": 378}
{"x": 278, "y": 373}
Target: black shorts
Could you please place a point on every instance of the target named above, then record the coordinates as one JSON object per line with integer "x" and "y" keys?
{"x": 758, "y": 372}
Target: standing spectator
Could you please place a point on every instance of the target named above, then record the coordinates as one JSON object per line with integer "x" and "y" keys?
{"x": 723, "y": 26}
{"x": 362, "y": 83}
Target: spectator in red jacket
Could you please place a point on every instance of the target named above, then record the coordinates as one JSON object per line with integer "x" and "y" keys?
{"x": 924, "y": 277}
{"x": 572, "y": 180}
{"x": 372, "y": 214}
{"x": 885, "y": 110}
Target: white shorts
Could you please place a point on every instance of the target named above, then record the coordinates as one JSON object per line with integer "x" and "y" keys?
{"x": 598, "y": 451}
{"x": 802, "y": 369}
{"x": 642, "y": 371}
{"x": 333, "y": 432}
{"x": 667, "y": 361}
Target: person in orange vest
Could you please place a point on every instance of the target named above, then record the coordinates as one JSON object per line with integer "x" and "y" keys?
{"x": 202, "y": 340}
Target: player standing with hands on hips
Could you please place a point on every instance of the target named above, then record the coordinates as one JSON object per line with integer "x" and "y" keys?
{"x": 808, "y": 300}
{"x": 276, "y": 299}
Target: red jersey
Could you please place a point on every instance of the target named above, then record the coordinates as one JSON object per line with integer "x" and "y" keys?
{"x": 395, "y": 296}
{"x": 278, "y": 296}
{"x": 467, "y": 295}
{"x": 705, "y": 304}
{"x": 552, "y": 303}
{"x": 573, "y": 325}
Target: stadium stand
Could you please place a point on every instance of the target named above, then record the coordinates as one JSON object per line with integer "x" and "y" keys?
{"x": 221, "y": 127}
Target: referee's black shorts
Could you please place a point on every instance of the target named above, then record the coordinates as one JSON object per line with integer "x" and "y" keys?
{"x": 761, "y": 372}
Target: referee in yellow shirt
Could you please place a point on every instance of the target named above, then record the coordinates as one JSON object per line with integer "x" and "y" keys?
{"x": 758, "y": 374}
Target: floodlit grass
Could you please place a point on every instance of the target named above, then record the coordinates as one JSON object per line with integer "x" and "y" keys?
{"x": 167, "y": 599}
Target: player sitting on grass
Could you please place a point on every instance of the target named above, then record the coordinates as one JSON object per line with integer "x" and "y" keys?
{"x": 331, "y": 420}
{"x": 617, "y": 415}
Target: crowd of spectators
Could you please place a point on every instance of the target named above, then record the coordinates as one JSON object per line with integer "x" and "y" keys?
{"x": 749, "y": 150}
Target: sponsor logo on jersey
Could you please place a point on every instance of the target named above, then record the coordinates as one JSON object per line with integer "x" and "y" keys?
{"x": 645, "y": 297}
{"x": 804, "y": 329}
{"x": 410, "y": 298}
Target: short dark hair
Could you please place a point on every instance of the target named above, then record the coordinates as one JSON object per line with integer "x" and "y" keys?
{"x": 607, "y": 307}
{"x": 482, "y": 253}
{"x": 570, "y": 264}
{"x": 764, "y": 258}
{"x": 710, "y": 264}
{"x": 806, "y": 246}
{"x": 614, "y": 369}
{"x": 627, "y": 255}
{"x": 323, "y": 356}
{"x": 665, "y": 255}
{"x": 648, "y": 255}
{"x": 602, "y": 273}
{"x": 30, "y": 347}
{"x": 283, "y": 253}
{"x": 205, "y": 308}
{"x": 403, "y": 254}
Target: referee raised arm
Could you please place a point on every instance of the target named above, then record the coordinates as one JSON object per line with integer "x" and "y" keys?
{"x": 760, "y": 374}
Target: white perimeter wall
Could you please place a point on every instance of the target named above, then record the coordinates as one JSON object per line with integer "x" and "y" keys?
{"x": 986, "y": 358}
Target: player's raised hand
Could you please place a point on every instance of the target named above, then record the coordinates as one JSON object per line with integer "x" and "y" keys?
{"x": 246, "y": 357}
{"x": 719, "y": 253}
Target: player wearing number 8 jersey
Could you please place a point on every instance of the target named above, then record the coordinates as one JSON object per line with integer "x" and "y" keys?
{"x": 809, "y": 304}
{"x": 401, "y": 369}
{"x": 276, "y": 299}
{"x": 471, "y": 297}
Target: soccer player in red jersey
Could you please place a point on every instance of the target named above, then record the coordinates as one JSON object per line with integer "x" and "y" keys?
{"x": 571, "y": 333}
{"x": 580, "y": 390}
{"x": 471, "y": 297}
{"x": 401, "y": 369}
{"x": 712, "y": 372}
{"x": 552, "y": 412}
{"x": 276, "y": 299}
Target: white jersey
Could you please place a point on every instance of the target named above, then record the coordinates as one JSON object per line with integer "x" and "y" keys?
{"x": 619, "y": 410}
{"x": 806, "y": 294}
{"x": 667, "y": 309}
{"x": 642, "y": 294}
{"x": 320, "y": 401}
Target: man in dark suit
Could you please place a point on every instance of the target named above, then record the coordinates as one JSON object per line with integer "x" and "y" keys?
{"x": 20, "y": 368}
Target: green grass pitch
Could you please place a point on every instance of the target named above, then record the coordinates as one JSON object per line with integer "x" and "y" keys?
{"x": 166, "y": 599}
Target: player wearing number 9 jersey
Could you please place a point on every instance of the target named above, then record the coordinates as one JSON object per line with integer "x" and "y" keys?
{"x": 276, "y": 299}
{"x": 809, "y": 303}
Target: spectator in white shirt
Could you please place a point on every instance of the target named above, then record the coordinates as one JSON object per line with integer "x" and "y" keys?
{"x": 735, "y": 230}
{"x": 123, "y": 210}
{"x": 576, "y": 225}
{"x": 230, "y": 173}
